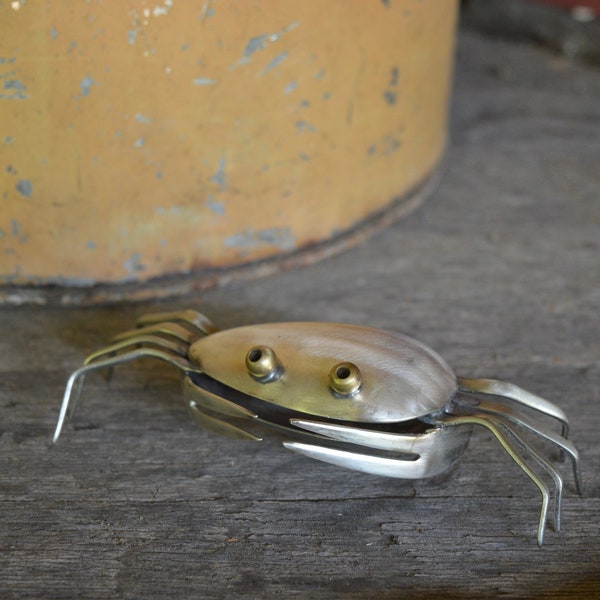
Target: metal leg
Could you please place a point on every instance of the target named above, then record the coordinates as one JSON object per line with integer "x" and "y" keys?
{"x": 145, "y": 352}
{"x": 201, "y": 324}
{"x": 503, "y": 389}
{"x": 491, "y": 424}
{"x": 505, "y": 412}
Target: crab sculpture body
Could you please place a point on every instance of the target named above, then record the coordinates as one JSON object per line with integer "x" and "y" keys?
{"x": 354, "y": 396}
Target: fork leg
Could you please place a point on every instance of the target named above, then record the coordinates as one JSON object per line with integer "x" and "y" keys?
{"x": 505, "y": 413}
{"x": 201, "y": 324}
{"x": 411, "y": 456}
{"x": 367, "y": 463}
{"x": 211, "y": 412}
{"x": 513, "y": 392}
{"x": 157, "y": 341}
{"x": 489, "y": 423}
{"x": 174, "y": 359}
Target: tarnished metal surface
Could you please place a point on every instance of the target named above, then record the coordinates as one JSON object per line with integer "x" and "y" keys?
{"x": 143, "y": 140}
{"x": 402, "y": 379}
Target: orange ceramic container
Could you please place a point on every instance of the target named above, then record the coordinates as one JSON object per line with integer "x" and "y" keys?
{"x": 145, "y": 139}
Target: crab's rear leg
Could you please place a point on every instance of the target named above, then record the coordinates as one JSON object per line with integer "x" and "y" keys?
{"x": 514, "y": 416}
{"x": 492, "y": 424}
{"x": 163, "y": 334}
{"x": 167, "y": 336}
{"x": 547, "y": 466}
{"x": 112, "y": 356}
{"x": 156, "y": 330}
{"x": 503, "y": 389}
{"x": 147, "y": 340}
{"x": 164, "y": 328}
{"x": 192, "y": 319}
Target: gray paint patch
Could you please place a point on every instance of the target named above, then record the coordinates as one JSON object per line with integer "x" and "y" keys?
{"x": 14, "y": 84}
{"x": 387, "y": 145}
{"x": 85, "y": 85}
{"x": 139, "y": 142}
{"x": 302, "y": 126}
{"x": 280, "y": 237}
{"x": 260, "y": 42}
{"x": 14, "y": 89}
{"x": 218, "y": 208}
{"x": 24, "y": 187}
{"x": 204, "y": 81}
{"x": 134, "y": 264}
{"x": 53, "y": 33}
{"x": 290, "y": 87}
{"x": 219, "y": 176}
{"x": 275, "y": 62}
{"x": 254, "y": 45}
{"x": 390, "y": 97}
{"x": 140, "y": 118}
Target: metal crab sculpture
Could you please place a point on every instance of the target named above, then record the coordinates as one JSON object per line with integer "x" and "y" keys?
{"x": 353, "y": 396}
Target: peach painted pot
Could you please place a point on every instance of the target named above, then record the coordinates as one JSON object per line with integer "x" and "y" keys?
{"x": 151, "y": 139}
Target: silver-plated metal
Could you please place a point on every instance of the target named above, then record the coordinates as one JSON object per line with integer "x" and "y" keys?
{"x": 193, "y": 319}
{"x": 356, "y": 397}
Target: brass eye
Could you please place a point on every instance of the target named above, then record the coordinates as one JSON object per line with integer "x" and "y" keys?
{"x": 345, "y": 379}
{"x": 262, "y": 364}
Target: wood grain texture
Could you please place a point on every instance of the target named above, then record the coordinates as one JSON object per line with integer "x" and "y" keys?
{"x": 498, "y": 272}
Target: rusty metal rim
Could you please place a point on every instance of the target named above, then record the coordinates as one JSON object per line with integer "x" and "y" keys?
{"x": 169, "y": 286}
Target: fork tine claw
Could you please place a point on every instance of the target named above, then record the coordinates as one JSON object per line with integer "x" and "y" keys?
{"x": 515, "y": 417}
{"x": 219, "y": 426}
{"x": 201, "y": 324}
{"x": 178, "y": 361}
{"x": 503, "y": 389}
{"x": 172, "y": 330}
{"x": 142, "y": 340}
{"x": 394, "y": 442}
{"x": 205, "y": 400}
{"x": 367, "y": 463}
